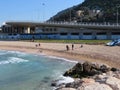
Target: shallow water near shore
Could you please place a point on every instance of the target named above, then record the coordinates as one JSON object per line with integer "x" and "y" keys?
{"x": 22, "y": 71}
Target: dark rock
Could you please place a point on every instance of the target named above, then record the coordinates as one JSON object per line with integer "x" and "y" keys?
{"x": 113, "y": 69}
{"x": 54, "y": 83}
{"x": 86, "y": 69}
{"x": 75, "y": 71}
{"x": 95, "y": 66}
{"x": 104, "y": 68}
{"x": 94, "y": 72}
{"x": 90, "y": 69}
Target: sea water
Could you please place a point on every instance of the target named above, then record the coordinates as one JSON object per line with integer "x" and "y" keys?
{"x": 22, "y": 71}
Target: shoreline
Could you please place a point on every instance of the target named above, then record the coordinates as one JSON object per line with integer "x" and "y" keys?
{"x": 92, "y": 53}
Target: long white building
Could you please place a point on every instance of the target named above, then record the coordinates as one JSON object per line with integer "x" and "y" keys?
{"x": 48, "y": 30}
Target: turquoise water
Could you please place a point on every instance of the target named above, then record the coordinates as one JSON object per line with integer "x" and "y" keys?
{"x": 22, "y": 71}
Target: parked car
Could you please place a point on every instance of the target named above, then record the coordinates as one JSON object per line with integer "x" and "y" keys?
{"x": 113, "y": 43}
{"x": 118, "y": 42}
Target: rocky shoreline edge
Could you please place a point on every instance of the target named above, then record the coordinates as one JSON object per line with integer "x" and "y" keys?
{"x": 90, "y": 76}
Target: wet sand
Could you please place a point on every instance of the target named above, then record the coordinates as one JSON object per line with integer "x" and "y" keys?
{"x": 93, "y": 53}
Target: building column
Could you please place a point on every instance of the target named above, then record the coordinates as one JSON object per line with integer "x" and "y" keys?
{"x": 28, "y": 30}
{"x": 24, "y": 30}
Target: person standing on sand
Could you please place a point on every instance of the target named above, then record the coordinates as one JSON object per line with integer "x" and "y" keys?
{"x": 67, "y": 47}
{"x": 33, "y": 38}
{"x": 72, "y": 46}
{"x": 36, "y": 45}
{"x": 39, "y": 44}
{"x": 81, "y": 46}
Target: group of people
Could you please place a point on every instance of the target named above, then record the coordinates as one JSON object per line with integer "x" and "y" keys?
{"x": 68, "y": 48}
{"x": 36, "y": 45}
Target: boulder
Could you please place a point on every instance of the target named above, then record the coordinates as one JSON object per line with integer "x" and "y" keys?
{"x": 104, "y": 68}
{"x": 67, "y": 89}
{"x": 90, "y": 69}
{"x": 113, "y": 82}
{"x": 85, "y": 70}
{"x": 94, "y": 86}
{"x": 87, "y": 66}
{"x": 114, "y": 69}
{"x": 75, "y": 71}
{"x": 117, "y": 74}
{"x": 88, "y": 80}
{"x": 100, "y": 78}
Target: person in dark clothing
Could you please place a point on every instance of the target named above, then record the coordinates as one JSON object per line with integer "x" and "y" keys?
{"x": 67, "y": 47}
{"x": 81, "y": 46}
{"x": 72, "y": 46}
{"x": 33, "y": 38}
{"x": 39, "y": 44}
{"x": 36, "y": 45}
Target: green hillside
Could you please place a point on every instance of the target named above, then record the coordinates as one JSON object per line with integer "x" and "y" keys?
{"x": 90, "y": 11}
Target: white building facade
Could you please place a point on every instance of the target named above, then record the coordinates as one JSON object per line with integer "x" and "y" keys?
{"x": 45, "y": 31}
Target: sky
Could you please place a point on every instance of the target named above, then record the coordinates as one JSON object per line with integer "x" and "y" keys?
{"x": 32, "y": 10}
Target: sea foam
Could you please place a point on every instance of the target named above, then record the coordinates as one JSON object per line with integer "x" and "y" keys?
{"x": 65, "y": 80}
{"x": 64, "y": 59}
{"x": 13, "y": 60}
{"x": 17, "y": 53}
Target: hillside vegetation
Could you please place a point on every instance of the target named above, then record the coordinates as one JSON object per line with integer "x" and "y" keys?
{"x": 90, "y": 11}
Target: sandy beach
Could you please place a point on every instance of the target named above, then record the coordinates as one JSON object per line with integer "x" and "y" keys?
{"x": 93, "y": 53}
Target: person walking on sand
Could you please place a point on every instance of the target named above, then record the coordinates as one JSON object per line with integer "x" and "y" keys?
{"x": 72, "y": 46}
{"x": 81, "y": 46}
{"x": 36, "y": 45}
{"x": 67, "y": 47}
{"x": 39, "y": 44}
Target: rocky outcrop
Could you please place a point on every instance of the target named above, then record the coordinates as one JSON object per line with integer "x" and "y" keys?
{"x": 98, "y": 77}
{"x": 86, "y": 69}
{"x": 94, "y": 86}
{"x": 105, "y": 81}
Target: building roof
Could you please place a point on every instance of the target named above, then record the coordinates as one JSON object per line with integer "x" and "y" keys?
{"x": 66, "y": 25}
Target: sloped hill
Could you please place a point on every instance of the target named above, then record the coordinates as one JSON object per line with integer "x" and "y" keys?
{"x": 90, "y": 11}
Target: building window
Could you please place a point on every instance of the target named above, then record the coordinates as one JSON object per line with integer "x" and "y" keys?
{"x": 63, "y": 33}
{"x": 51, "y": 29}
{"x": 47, "y": 29}
{"x": 115, "y": 33}
{"x": 43, "y": 30}
{"x": 101, "y": 33}
{"x": 55, "y": 29}
{"x": 74, "y": 33}
{"x": 87, "y": 33}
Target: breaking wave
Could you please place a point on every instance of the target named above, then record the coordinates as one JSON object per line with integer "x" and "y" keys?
{"x": 13, "y": 60}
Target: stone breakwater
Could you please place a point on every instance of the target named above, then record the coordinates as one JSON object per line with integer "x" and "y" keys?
{"x": 88, "y": 76}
